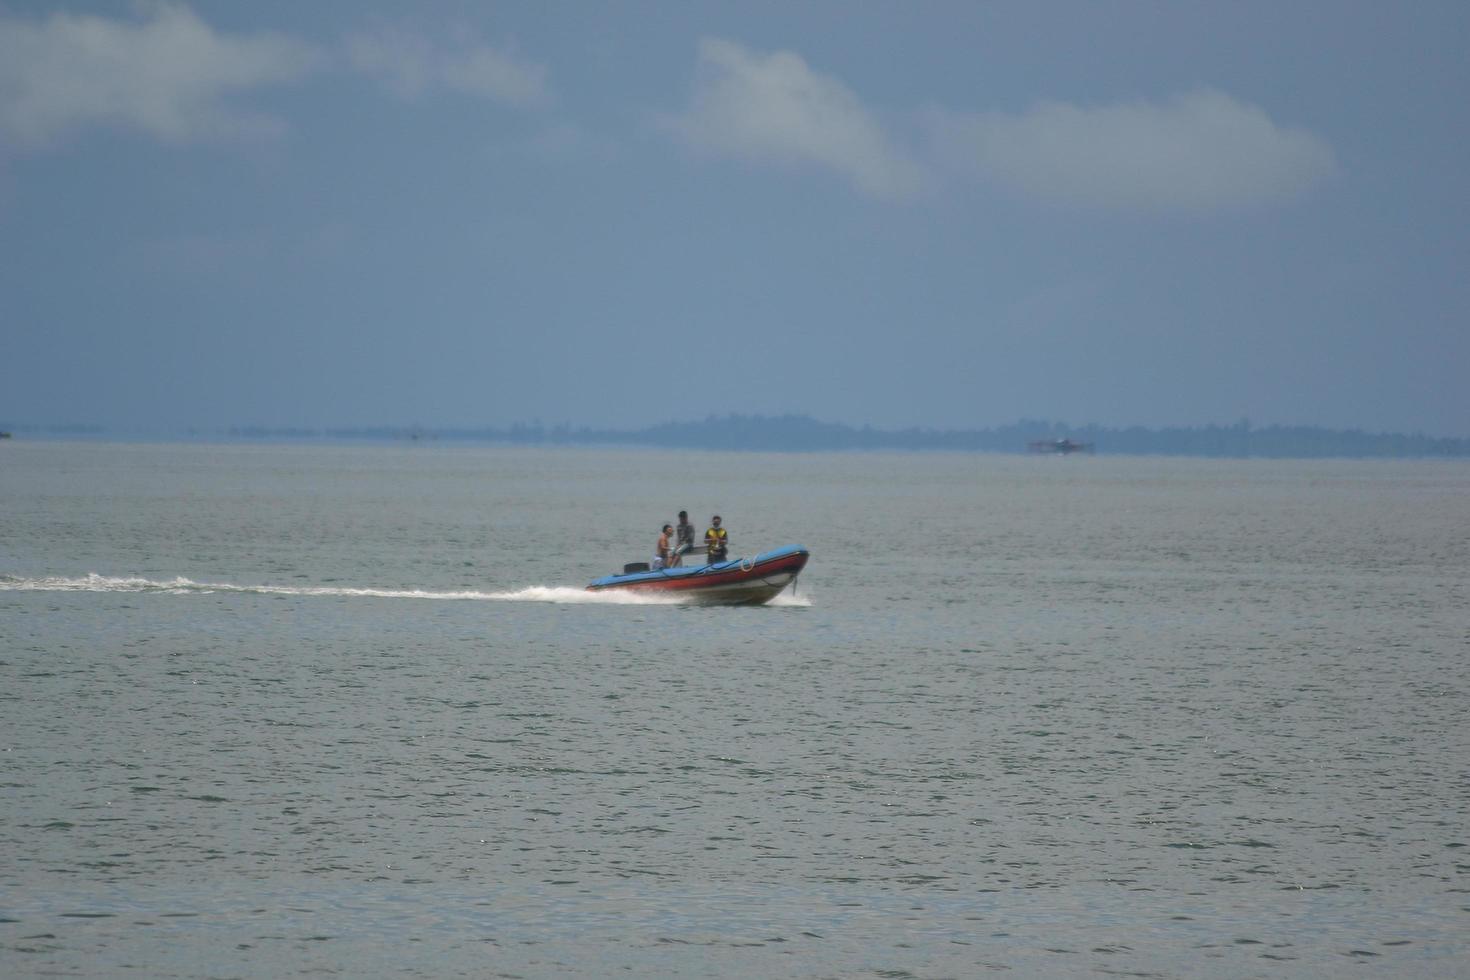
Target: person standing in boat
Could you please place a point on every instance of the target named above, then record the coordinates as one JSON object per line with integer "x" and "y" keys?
{"x": 661, "y": 551}
{"x": 684, "y": 538}
{"x": 716, "y": 541}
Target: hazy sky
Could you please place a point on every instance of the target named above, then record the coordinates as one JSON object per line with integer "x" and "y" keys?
{"x": 614, "y": 214}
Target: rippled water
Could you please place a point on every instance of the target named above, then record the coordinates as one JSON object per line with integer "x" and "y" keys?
{"x": 267, "y": 711}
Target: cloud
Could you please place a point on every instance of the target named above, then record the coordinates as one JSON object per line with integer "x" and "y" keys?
{"x": 774, "y": 109}
{"x": 1196, "y": 152}
{"x": 412, "y": 65}
{"x": 167, "y": 74}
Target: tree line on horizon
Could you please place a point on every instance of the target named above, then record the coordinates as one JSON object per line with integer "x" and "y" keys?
{"x": 801, "y": 433}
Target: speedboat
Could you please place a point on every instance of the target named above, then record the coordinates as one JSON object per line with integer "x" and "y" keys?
{"x": 737, "y": 582}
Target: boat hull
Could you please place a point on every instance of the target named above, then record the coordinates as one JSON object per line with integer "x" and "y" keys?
{"x": 738, "y": 582}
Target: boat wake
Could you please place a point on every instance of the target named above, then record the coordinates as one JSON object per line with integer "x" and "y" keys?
{"x": 183, "y": 586}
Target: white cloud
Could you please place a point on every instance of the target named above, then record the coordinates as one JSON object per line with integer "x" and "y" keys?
{"x": 775, "y": 109}
{"x": 411, "y": 65}
{"x": 166, "y": 74}
{"x": 1199, "y": 151}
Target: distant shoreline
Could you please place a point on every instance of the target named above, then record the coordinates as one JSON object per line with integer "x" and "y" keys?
{"x": 796, "y": 433}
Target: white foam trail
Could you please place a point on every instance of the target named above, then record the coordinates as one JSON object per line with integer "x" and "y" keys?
{"x": 182, "y": 586}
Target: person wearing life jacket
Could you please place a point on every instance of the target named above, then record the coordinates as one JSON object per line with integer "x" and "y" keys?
{"x": 716, "y": 541}
{"x": 661, "y": 550}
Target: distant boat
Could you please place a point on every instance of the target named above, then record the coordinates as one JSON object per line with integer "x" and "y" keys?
{"x": 737, "y": 582}
{"x": 4, "y": 435}
{"x": 1059, "y": 447}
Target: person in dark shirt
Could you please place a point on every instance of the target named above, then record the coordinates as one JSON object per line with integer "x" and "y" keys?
{"x": 684, "y": 539}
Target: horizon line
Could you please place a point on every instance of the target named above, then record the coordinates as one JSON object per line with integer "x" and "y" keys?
{"x": 801, "y": 433}
{"x": 241, "y": 429}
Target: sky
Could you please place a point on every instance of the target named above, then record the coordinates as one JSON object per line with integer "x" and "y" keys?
{"x": 940, "y": 214}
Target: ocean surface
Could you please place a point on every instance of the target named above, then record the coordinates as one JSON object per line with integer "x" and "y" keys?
{"x": 278, "y": 711}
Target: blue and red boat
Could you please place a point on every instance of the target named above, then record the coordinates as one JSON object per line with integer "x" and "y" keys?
{"x": 737, "y": 582}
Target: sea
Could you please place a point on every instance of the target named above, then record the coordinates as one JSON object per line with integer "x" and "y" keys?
{"x": 347, "y": 710}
